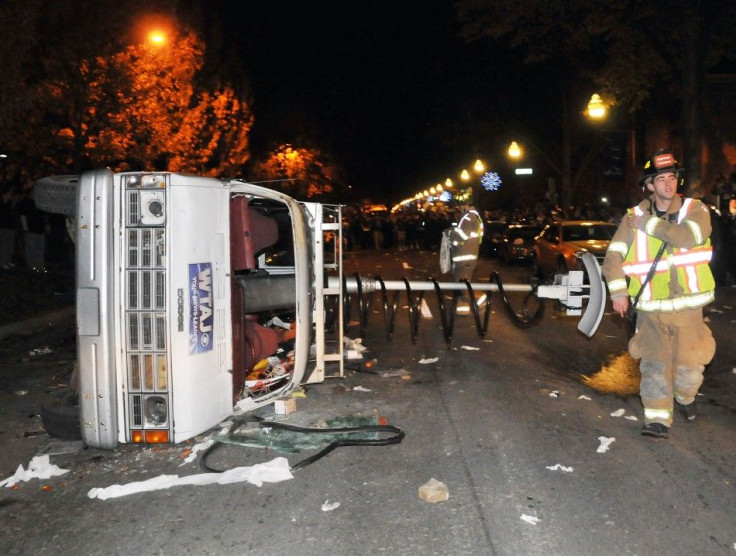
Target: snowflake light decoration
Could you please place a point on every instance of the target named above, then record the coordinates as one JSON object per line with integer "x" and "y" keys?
{"x": 491, "y": 181}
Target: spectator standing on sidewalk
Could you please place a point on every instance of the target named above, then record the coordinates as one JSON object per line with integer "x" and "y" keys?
{"x": 34, "y": 225}
{"x": 7, "y": 228}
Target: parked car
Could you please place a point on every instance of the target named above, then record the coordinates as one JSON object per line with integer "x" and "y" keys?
{"x": 518, "y": 243}
{"x": 493, "y": 231}
{"x": 559, "y": 246}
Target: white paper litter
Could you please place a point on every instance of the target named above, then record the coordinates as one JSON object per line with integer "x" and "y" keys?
{"x": 714, "y": 310}
{"x": 530, "y": 519}
{"x": 631, "y": 418}
{"x": 44, "y": 350}
{"x": 554, "y": 394}
{"x": 356, "y": 344}
{"x": 405, "y": 265}
{"x": 361, "y": 389}
{"x": 428, "y": 360}
{"x": 276, "y": 321}
{"x": 605, "y": 443}
{"x": 353, "y": 354}
{"x": 733, "y": 370}
{"x": 200, "y": 446}
{"x": 38, "y": 468}
{"x": 272, "y": 471}
{"x": 618, "y": 412}
{"x": 470, "y": 348}
{"x": 560, "y": 467}
{"x": 583, "y": 397}
{"x": 424, "y": 309}
{"x": 328, "y": 507}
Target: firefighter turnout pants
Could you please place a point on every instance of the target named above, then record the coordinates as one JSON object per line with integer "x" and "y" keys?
{"x": 674, "y": 349}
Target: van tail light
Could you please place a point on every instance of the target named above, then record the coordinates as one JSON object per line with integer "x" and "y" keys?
{"x": 157, "y": 437}
{"x": 149, "y": 437}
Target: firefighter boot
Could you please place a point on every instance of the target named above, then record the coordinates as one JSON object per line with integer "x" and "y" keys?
{"x": 689, "y": 412}
{"x": 656, "y": 430}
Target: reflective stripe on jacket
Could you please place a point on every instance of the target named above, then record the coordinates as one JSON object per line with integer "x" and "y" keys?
{"x": 690, "y": 265}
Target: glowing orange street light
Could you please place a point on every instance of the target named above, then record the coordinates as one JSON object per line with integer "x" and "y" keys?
{"x": 596, "y": 108}
{"x": 157, "y": 37}
{"x": 514, "y": 150}
{"x": 448, "y": 182}
{"x": 479, "y": 166}
{"x": 465, "y": 176}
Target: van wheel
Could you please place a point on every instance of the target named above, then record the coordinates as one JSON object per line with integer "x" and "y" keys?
{"x": 60, "y": 416}
{"x": 57, "y": 194}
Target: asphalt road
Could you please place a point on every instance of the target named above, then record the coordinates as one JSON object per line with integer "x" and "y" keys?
{"x": 489, "y": 422}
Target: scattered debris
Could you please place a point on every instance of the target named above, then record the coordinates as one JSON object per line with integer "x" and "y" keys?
{"x": 631, "y": 418}
{"x": 276, "y": 321}
{"x": 38, "y": 468}
{"x": 199, "y": 447}
{"x": 583, "y": 397}
{"x": 428, "y": 360}
{"x": 354, "y": 348}
{"x": 714, "y": 310}
{"x": 43, "y": 350}
{"x": 619, "y": 376}
{"x": 273, "y": 471}
{"x": 618, "y": 412}
{"x": 424, "y": 309}
{"x": 560, "y": 467}
{"x": 328, "y": 507}
{"x": 554, "y": 394}
{"x": 402, "y": 373}
{"x": 434, "y": 491}
{"x": 284, "y": 406}
{"x": 406, "y": 265}
{"x": 21, "y": 392}
{"x": 30, "y": 434}
{"x": 470, "y": 348}
{"x": 530, "y": 519}
{"x": 605, "y": 444}
{"x": 361, "y": 389}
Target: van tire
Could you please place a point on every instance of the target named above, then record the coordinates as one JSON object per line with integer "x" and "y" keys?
{"x": 57, "y": 194}
{"x": 60, "y": 416}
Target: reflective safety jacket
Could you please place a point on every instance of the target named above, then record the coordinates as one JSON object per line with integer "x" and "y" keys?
{"x": 682, "y": 278}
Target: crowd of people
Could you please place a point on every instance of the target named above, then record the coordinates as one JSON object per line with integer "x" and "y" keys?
{"x": 402, "y": 230}
{"x": 29, "y": 237}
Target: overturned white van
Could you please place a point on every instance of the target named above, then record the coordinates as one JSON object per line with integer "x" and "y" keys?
{"x": 180, "y": 280}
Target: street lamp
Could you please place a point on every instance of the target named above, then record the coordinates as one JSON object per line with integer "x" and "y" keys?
{"x": 464, "y": 175}
{"x": 448, "y": 182}
{"x": 157, "y": 37}
{"x": 479, "y": 166}
{"x": 596, "y": 108}
{"x": 514, "y": 150}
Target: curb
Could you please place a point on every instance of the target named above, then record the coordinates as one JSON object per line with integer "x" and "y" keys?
{"x": 35, "y": 324}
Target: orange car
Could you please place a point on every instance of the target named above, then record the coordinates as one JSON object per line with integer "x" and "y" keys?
{"x": 558, "y": 248}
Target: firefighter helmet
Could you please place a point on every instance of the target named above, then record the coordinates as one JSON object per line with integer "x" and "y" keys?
{"x": 661, "y": 162}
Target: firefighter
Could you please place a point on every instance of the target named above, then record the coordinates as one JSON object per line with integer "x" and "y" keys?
{"x": 465, "y": 240}
{"x": 671, "y": 339}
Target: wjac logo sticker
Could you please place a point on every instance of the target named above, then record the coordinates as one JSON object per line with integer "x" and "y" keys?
{"x": 201, "y": 308}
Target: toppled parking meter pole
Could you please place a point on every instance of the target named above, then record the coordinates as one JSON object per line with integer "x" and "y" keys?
{"x": 569, "y": 289}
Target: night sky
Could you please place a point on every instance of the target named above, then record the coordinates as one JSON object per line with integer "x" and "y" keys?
{"x": 388, "y": 89}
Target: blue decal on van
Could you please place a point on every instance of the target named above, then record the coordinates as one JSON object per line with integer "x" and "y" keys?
{"x": 201, "y": 308}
